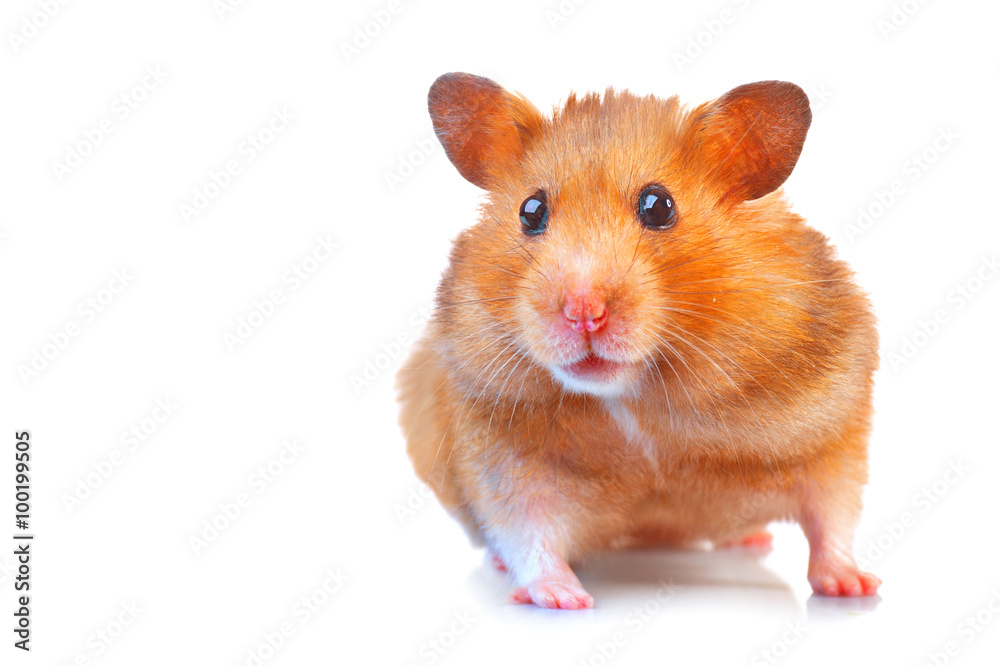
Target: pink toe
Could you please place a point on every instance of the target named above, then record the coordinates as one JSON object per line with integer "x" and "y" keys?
{"x": 497, "y": 562}
{"x": 553, "y": 595}
{"x": 844, "y": 582}
{"x": 870, "y": 583}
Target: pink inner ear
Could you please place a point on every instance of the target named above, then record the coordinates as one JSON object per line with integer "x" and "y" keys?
{"x": 482, "y": 127}
{"x": 753, "y": 136}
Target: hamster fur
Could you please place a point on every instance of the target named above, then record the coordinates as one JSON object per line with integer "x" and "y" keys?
{"x": 601, "y": 383}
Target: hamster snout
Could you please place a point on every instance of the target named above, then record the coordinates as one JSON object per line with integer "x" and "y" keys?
{"x": 585, "y": 310}
{"x": 581, "y": 319}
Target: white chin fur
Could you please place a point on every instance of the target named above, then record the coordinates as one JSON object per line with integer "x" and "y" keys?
{"x": 575, "y": 384}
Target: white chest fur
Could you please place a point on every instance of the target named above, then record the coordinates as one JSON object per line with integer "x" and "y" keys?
{"x": 628, "y": 425}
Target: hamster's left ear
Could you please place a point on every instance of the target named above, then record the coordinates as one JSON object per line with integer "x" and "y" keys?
{"x": 750, "y": 138}
{"x": 484, "y": 129}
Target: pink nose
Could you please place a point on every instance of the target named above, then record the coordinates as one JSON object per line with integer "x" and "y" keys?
{"x": 585, "y": 311}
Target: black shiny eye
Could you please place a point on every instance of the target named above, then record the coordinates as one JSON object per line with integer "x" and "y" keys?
{"x": 534, "y": 214}
{"x": 656, "y": 208}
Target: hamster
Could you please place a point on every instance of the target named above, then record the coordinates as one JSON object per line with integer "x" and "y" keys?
{"x": 639, "y": 343}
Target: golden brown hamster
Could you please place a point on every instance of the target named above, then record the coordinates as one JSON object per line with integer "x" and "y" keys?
{"x": 639, "y": 343}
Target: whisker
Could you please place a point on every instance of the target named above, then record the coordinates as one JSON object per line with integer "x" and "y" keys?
{"x": 716, "y": 320}
{"x": 710, "y": 394}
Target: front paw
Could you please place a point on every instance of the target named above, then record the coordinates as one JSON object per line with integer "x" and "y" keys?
{"x": 843, "y": 581}
{"x": 551, "y": 594}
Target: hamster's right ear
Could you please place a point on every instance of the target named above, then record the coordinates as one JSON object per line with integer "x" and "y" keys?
{"x": 484, "y": 129}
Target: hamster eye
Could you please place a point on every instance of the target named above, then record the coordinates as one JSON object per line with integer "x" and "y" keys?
{"x": 656, "y": 208}
{"x": 534, "y": 214}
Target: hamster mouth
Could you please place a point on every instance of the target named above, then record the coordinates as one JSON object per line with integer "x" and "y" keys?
{"x": 595, "y": 375}
{"x": 593, "y": 368}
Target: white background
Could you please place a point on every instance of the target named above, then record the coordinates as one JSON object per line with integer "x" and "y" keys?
{"x": 879, "y": 100}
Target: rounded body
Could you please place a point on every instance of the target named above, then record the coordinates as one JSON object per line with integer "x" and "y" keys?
{"x": 639, "y": 343}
